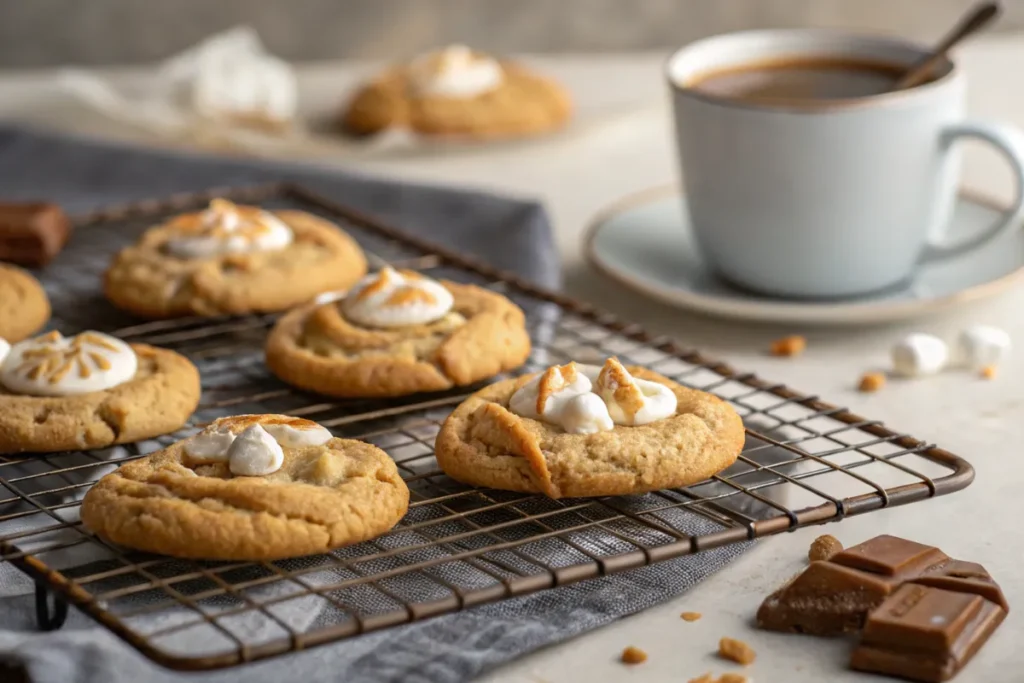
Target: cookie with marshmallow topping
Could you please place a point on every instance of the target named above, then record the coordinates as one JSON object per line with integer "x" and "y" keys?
{"x": 456, "y": 91}
{"x": 398, "y": 332}
{"x": 24, "y": 307}
{"x": 90, "y": 391}
{"x": 250, "y": 487}
{"x": 232, "y": 259}
{"x": 578, "y": 430}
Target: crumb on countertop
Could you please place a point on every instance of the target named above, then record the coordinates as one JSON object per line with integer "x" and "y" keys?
{"x": 824, "y": 547}
{"x": 706, "y": 678}
{"x": 690, "y": 616}
{"x": 988, "y": 372}
{"x": 736, "y": 650}
{"x": 633, "y": 655}
{"x": 792, "y": 345}
{"x": 733, "y": 678}
{"x": 871, "y": 381}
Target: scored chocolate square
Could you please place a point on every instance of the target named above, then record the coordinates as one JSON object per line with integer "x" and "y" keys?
{"x": 32, "y": 233}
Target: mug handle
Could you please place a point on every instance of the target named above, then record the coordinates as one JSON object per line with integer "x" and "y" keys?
{"x": 1007, "y": 140}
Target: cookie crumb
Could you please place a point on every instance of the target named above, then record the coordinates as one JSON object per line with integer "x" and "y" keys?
{"x": 706, "y": 678}
{"x": 690, "y": 616}
{"x": 633, "y": 655}
{"x": 871, "y": 381}
{"x": 988, "y": 372}
{"x": 733, "y": 678}
{"x": 736, "y": 650}
{"x": 792, "y": 345}
{"x": 823, "y": 548}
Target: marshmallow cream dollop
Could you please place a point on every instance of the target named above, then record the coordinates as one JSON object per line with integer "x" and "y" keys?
{"x": 251, "y": 447}
{"x": 454, "y": 72}
{"x": 584, "y": 399}
{"x": 54, "y": 365}
{"x": 226, "y": 228}
{"x": 5, "y": 348}
{"x": 391, "y": 298}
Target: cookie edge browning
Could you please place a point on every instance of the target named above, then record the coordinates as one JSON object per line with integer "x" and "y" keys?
{"x": 171, "y": 396}
{"x": 350, "y": 260}
{"x": 385, "y": 376}
{"x": 140, "y": 515}
{"x": 464, "y": 463}
{"x": 35, "y": 312}
{"x": 362, "y": 116}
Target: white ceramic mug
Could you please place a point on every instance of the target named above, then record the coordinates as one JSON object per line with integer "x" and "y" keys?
{"x": 832, "y": 198}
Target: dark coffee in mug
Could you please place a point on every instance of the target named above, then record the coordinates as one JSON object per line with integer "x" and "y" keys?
{"x": 799, "y": 79}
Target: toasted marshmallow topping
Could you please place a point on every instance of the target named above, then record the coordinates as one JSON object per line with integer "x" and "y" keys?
{"x": 53, "y": 365}
{"x": 919, "y": 354}
{"x": 391, "y": 298}
{"x": 255, "y": 453}
{"x": 983, "y": 346}
{"x": 219, "y": 442}
{"x": 234, "y": 78}
{"x": 584, "y": 399}
{"x": 456, "y": 72}
{"x": 226, "y": 228}
{"x": 633, "y": 401}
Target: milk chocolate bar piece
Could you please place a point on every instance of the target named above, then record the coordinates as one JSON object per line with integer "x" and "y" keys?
{"x": 925, "y": 633}
{"x": 834, "y": 596}
{"x": 32, "y": 234}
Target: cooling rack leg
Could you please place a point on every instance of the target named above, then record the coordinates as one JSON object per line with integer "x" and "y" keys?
{"x": 49, "y": 620}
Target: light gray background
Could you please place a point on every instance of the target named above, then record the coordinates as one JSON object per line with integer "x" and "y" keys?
{"x": 49, "y": 32}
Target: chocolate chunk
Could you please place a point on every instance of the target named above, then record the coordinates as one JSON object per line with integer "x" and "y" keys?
{"x": 32, "y": 234}
{"x": 890, "y": 556}
{"x": 965, "y": 577}
{"x": 925, "y": 633}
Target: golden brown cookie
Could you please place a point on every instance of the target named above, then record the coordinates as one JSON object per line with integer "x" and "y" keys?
{"x": 317, "y": 347}
{"x": 523, "y": 104}
{"x": 483, "y": 443}
{"x": 195, "y": 265}
{"x": 185, "y": 501}
{"x": 24, "y": 307}
{"x": 154, "y": 391}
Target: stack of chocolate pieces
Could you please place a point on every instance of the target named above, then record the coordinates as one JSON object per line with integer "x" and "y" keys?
{"x": 32, "y": 233}
{"x": 922, "y": 615}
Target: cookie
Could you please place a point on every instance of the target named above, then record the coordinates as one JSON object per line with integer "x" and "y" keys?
{"x": 24, "y": 307}
{"x": 579, "y": 431}
{"x": 462, "y": 93}
{"x": 398, "y": 333}
{"x": 232, "y": 259}
{"x": 250, "y": 487}
{"x": 90, "y": 391}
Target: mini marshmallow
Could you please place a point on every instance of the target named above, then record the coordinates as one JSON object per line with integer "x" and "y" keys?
{"x": 585, "y": 414}
{"x": 5, "y": 348}
{"x": 209, "y": 446}
{"x": 980, "y": 346}
{"x": 919, "y": 354}
{"x": 255, "y": 453}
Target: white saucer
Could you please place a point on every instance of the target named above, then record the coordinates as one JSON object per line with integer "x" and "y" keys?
{"x": 645, "y": 242}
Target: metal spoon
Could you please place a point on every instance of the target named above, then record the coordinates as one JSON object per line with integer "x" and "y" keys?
{"x": 977, "y": 18}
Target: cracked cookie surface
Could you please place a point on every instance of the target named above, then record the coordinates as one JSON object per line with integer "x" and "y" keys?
{"x": 146, "y": 280}
{"x": 326, "y": 496}
{"x": 24, "y": 307}
{"x": 524, "y": 104}
{"x": 315, "y": 347}
{"x": 484, "y": 444}
{"x": 159, "y": 399}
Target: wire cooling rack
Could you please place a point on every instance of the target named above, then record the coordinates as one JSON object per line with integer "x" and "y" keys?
{"x": 805, "y": 462}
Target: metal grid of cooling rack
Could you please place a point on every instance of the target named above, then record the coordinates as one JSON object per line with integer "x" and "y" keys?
{"x": 805, "y": 462}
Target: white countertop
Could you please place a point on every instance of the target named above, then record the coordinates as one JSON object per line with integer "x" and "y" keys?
{"x": 578, "y": 174}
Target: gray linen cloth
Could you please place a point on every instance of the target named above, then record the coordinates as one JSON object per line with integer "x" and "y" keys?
{"x": 513, "y": 235}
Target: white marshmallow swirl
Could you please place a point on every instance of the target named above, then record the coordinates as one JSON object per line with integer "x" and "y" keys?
{"x": 981, "y": 346}
{"x": 255, "y": 453}
{"x": 919, "y": 354}
{"x": 391, "y": 298}
{"x": 584, "y": 399}
{"x": 5, "y": 348}
{"x": 226, "y": 228}
{"x": 53, "y": 365}
{"x": 220, "y": 442}
{"x": 455, "y": 72}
